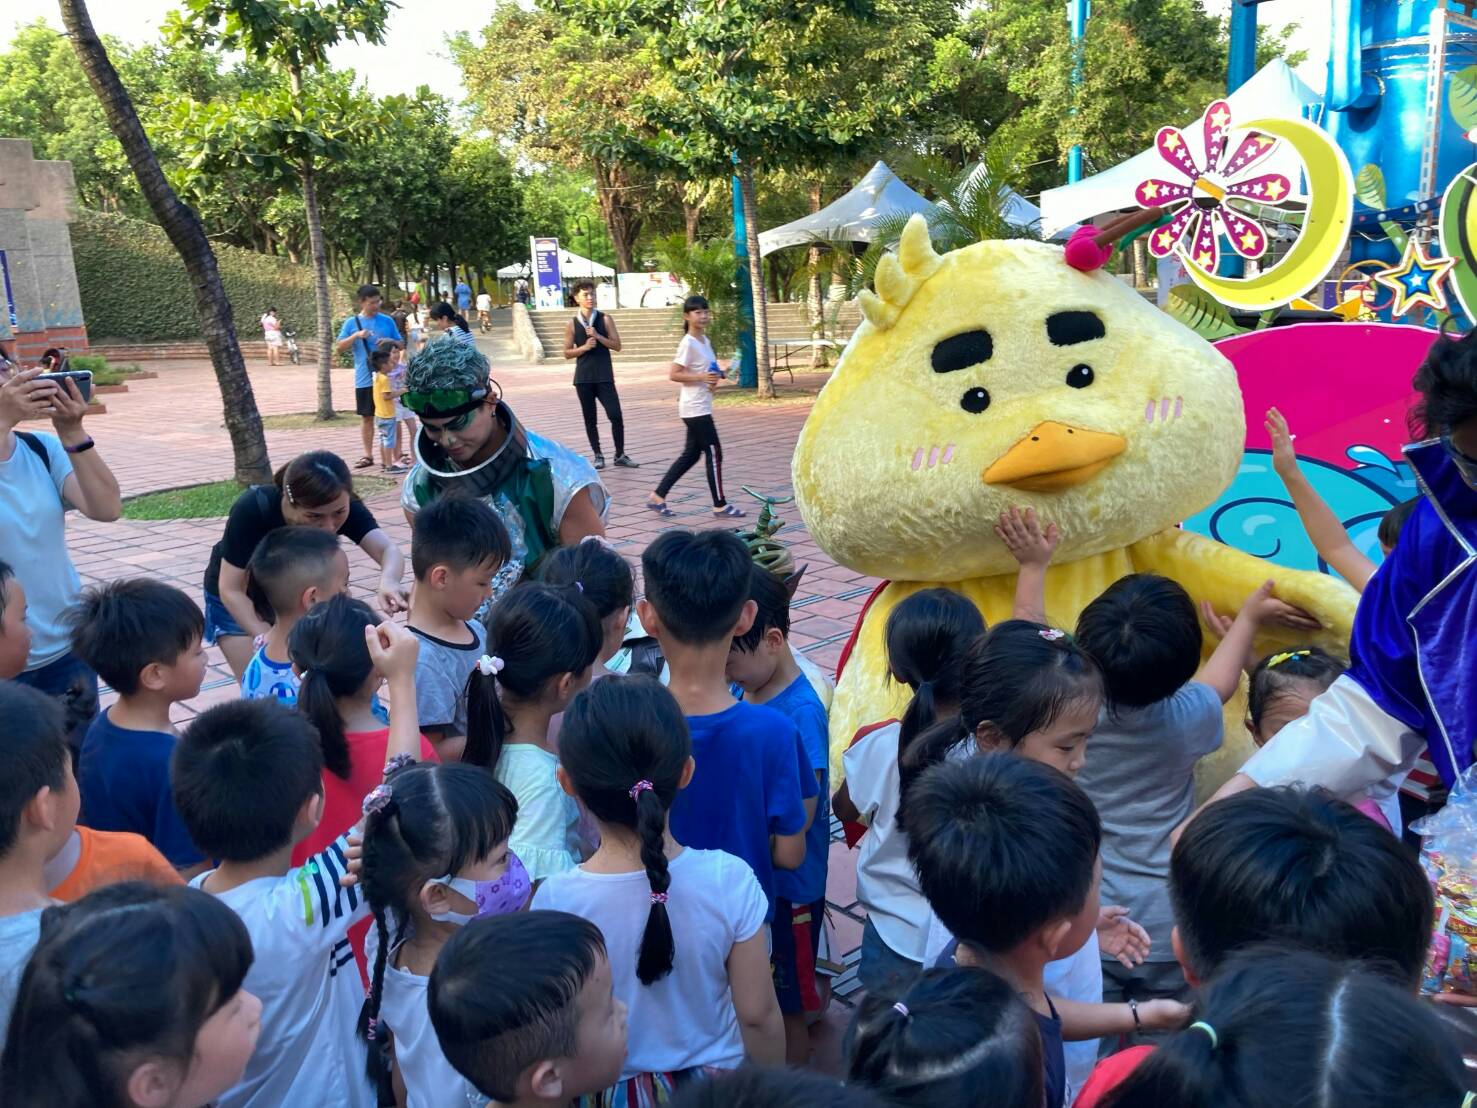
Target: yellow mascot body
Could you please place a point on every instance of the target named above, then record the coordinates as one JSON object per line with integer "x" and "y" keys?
{"x": 997, "y": 375}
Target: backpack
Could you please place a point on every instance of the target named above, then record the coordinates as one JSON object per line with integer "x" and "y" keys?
{"x": 37, "y": 447}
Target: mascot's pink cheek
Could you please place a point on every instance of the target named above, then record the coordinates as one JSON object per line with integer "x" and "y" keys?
{"x": 933, "y": 456}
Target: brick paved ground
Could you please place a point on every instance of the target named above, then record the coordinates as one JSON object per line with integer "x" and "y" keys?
{"x": 168, "y": 432}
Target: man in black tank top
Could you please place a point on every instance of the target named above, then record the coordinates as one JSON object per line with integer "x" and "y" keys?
{"x": 590, "y": 337}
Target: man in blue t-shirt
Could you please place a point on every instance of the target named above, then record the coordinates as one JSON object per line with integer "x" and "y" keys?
{"x": 362, "y": 333}
{"x": 749, "y": 790}
{"x": 463, "y": 297}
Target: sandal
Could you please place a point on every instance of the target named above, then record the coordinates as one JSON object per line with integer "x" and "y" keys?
{"x": 728, "y": 511}
{"x": 660, "y": 509}
{"x": 364, "y": 462}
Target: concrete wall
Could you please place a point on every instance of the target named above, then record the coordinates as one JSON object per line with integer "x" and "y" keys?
{"x": 36, "y": 202}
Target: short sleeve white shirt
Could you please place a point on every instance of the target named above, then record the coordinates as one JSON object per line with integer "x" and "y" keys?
{"x": 305, "y": 976}
{"x": 695, "y": 355}
{"x": 687, "y": 1018}
{"x": 885, "y": 882}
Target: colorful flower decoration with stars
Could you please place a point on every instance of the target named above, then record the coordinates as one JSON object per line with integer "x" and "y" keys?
{"x": 1418, "y": 279}
{"x": 1220, "y": 200}
{"x": 1201, "y": 214}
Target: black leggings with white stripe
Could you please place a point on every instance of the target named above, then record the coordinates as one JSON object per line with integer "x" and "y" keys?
{"x": 702, "y": 442}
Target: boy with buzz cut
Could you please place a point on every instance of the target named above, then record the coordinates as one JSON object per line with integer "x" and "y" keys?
{"x": 457, "y": 546}
{"x": 1006, "y": 851}
{"x": 551, "y": 1033}
{"x": 38, "y": 810}
{"x": 761, "y": 662}
{"x": 291, "y": 569}
{"x": 144, "y": 639}
{"x": 248, "y": 781}
{"x": 753, "y": 793}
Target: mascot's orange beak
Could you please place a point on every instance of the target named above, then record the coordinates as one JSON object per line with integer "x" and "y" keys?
{"x": 1054, "y": 457}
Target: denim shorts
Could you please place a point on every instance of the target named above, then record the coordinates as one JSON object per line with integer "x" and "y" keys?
{"x": 882, "y": 971}
{"x": 218, "y": 620}
{"x": 386, "y": 428}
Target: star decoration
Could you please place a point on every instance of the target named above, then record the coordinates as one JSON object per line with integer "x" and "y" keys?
{"x": 1418, "y": 279}
{"x": 1201, "y": 213}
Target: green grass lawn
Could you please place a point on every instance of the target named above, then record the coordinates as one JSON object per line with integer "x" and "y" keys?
{"x": 730, "y": 396}
{"x": 215, "y": 499}
{"x": 299, "y": 421}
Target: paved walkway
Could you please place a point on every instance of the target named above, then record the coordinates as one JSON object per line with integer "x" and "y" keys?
{"x": 169, "y": 432}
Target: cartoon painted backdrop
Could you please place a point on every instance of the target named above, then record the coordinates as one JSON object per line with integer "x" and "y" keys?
{"x": 1345, "y": 390}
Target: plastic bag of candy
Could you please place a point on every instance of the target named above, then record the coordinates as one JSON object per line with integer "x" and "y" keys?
{"x": 1449, "y": 855}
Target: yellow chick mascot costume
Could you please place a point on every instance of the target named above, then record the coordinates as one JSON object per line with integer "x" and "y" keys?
{"x": 997, "y": 375}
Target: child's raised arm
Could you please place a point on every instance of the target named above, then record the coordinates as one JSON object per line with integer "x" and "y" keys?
{"x": 1222, "y": 670}
{"x": 393, "y": 650}
{"x": 1031, "y": 543}
{"x": 1323, "y": 527}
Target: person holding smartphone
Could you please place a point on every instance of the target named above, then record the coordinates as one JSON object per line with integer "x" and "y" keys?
{"x": 41, "y": 476}
{"x": 360, "y": 333}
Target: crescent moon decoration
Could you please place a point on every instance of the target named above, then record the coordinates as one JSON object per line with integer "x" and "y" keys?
{"x": 1459, "y": 237}
{"x": 1203, "y": 211}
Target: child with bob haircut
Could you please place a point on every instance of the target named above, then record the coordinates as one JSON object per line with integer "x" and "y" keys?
{"x": 684, "y": 928}
{"x": 247, "y": 781}
{"x": 435, "y": 856}
{"x": 144, "y": 639}
{"x": 752, "y": 794}
{"x": 132, "y": 999}
{"x": 291, "y": 570}
{"x": 1280, "y": 1027}
{"x": 15, "y": 636}
{"x": 457, "y": 546}
{"x": 541, "y": 643}
{"x": 1164, "y": 712}
{"x": 551, "y": 1031}
{"x": 926, "y": 636}
{"x": 604, "y": 577}
{"x": 955, "y": 1037}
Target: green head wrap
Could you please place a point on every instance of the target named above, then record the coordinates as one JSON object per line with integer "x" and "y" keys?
{"x": 446, "y": 379}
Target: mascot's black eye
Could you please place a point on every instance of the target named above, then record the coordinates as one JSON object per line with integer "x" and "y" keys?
{"x": 963, "y": 351}
{"x": 1080, "y": 376}
{"x": 975, "y": 401}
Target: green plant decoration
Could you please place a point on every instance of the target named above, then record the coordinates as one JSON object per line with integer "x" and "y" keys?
{"x": 1201, "y": 313}
{"x": 1369, "y": 187}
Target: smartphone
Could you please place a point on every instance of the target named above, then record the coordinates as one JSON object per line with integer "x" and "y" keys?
{"x": 83, "y": 377}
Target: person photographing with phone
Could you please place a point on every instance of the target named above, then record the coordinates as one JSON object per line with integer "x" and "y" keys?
{"x": 361, "y": 333}
{"x": 41, "y": 476}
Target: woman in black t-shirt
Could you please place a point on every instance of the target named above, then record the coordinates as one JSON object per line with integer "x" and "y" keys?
{"x": 590, "y": 337}
{"x": 312, "y": 490}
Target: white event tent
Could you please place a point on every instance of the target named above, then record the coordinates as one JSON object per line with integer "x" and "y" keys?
{"x": 1274, "y": 92}
{"x": 571, "y": 265}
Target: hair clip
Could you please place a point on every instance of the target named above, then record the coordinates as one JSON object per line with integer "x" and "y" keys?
{"x": 581, "y": 586}
{"x": 1286, "y": 656}
{"x": 901, "y": 1009}
{"x": 490, "y": 665}
{"x": 397, "y": 763}
{"x": 1051, "y": 634}
{"x": 658, "y": 898}
{"x": 303, "y": 676}
{"x": 1215, "y": 1040}
{"x": 380, "y": 797}
{"x": 640, "y": 787}
{"x": 599, "y": 540}
{"x": 370, "y": 1026}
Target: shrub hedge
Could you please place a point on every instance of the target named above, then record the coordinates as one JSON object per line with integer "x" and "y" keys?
{"x": 134, "y": 286}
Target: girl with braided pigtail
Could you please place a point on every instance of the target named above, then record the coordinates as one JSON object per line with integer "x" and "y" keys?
{"x": 684, "y": 928}
{"x": 435, "y": 856}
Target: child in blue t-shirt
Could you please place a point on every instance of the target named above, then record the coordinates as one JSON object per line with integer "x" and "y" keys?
{"x": 292, "y": 569}
{"x": 761, "y": 663}
{"x": 144, "y": 639}
{"x": 753, "y": 793}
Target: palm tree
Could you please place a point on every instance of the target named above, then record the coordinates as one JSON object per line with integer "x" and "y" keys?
{"x": 182, "y": 225}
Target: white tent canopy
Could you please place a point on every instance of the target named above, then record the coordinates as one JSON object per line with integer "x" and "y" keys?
{"x": 1274, "y": 92}
{"x": 850, "y": 218}
{"x": 570, "y": 265}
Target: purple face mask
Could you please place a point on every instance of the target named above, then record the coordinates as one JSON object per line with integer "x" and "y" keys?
{"x": 498, "y": 897}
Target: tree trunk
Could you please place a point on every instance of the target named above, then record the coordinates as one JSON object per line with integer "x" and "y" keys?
{"x": 620, "y": 217}
{"x": 691, "y": 213}
{"x": 182, "y": 225}
{"x": 756, "y": 282}
{"x": 1140, "y": 263}
{"x": 320, "y": 272}
{"x": 813, "y": 289}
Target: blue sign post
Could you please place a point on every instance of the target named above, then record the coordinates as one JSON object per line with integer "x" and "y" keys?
{"x": 744, "y": 354}
{"x": 548, "y": 290}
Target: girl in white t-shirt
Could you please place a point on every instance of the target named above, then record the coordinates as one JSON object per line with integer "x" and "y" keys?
{"x": 435, "y": 857}
{"x": 684, "y": 928}
{"x": 696, "y": 369}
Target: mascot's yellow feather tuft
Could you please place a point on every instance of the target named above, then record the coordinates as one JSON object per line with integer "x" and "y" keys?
{"x": 997, "y": 375}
